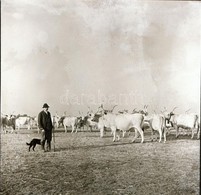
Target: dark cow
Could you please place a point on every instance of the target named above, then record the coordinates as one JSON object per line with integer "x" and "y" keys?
{"x": 8, "y": 122}
{"x": 87, "y": 121}
{"x": 60, "y": 122}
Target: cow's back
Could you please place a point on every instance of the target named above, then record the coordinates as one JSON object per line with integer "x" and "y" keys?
{"x": 185, "y": 120}
{"x": 21, "y": 121}
{"x": 158, "y": 122}
{"x": 68, "y": 121}
{"x": 124, "y": 121}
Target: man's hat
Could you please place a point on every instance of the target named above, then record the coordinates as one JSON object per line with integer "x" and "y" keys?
{"x": 45, "y": 105}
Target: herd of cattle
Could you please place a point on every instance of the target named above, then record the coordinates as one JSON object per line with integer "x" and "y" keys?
{"x": 123, "y": 121}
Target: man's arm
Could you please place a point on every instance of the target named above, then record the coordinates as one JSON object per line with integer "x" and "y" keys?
{"x": 51, "y": 119}
{"x": 39, "y": 121}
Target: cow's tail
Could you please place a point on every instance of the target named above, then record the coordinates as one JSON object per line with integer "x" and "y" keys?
{"x": 196, "y": 124}
{"x": 142, "y": 123}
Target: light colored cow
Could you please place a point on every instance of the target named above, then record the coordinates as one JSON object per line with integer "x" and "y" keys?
{"x": 157, "y": 123}
{"x": 70, "y": 122}
{"x": 122, "y": 122}
{"x": 34, "y": 123}
{"x": 57, "y": 120}
{"x": 23, "y": 121}
{"x": 186, "y": 121}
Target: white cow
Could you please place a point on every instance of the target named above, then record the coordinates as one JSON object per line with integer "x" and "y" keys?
{"x": 70, "y": 122}
{"x": 122, "y": 122}
{"x": 189, "y": 121}
{"x": 23, "y": 121}
{"x": 186, "y": 121}
{"x": 33, "y": 122}
{"x": 157, "y": 123}
{"x": 55, "y": 120}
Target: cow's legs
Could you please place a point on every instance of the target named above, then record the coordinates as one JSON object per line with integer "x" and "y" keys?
{"x": 177, "y": 131}
{"x": 118, "y": 134}
{"x": 136, "y": 135}
{"x": 104, "y": 130}
{"x": 164, "y": 134}
{"x": 141, "y": 133}
{"x": 198, "y": 130}
{"x": 65, "y": 128}
{"x": 192, "y": 133}
{"x": 160, "y": 135}
{"x": 101, "y": 128}
{"x": 139, "y": 129}
{"x": 72, "y": 128}
{"x": 114, "y": 133}
{"x": 88, "y": 127}
{"x": 76, "y": 127}
{"x": 12, "y": 129}
{"x": 152, "y": 135}
{"x": 123, "y": 133}
{"x": 168, "y": 131}
{"x": 101, "y": 131}
{"x": 2, "y": 128}
{"x": 198, "y": 133}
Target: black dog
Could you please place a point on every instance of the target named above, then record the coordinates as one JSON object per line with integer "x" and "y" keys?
{"x": 33, "y": 143}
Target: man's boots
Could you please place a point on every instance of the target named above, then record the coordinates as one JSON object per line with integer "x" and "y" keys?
{"x": 48, "y": 146}
{"x": 43, "y": 145}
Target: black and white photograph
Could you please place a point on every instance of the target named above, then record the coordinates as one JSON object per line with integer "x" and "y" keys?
{"x": 100, "y": 97}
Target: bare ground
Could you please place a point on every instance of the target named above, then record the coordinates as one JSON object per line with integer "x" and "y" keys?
{"x": 84, "y": 163}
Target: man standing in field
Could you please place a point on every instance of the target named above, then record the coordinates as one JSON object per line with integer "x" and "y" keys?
{"x": 45, "y": 125}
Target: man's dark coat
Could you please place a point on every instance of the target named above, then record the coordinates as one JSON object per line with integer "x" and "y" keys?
{"x": 45, "y": 122}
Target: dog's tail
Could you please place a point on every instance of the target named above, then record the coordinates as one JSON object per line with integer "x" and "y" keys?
{"x": 28, "y": 144}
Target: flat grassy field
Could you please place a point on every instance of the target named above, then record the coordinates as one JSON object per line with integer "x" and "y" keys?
{"x": 83, "y": 163}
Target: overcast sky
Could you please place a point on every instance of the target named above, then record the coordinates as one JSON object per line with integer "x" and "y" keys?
{"x": 73, "y": 54}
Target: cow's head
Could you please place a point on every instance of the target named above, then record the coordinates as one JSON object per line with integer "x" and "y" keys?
{"x": 134, "y": 111}
{"x": 96, "y": 117}
{"x": 104, "y": 111}
{"x": 143, "y": 111}
{"x": 167, "y": 114}
{"x": 79, "y": 122}
{"x": 123, "y": 111}
{"x": 172, "y": 112}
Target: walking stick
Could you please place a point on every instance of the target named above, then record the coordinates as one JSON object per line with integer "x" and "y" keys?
{"x": 53, "y": 137}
